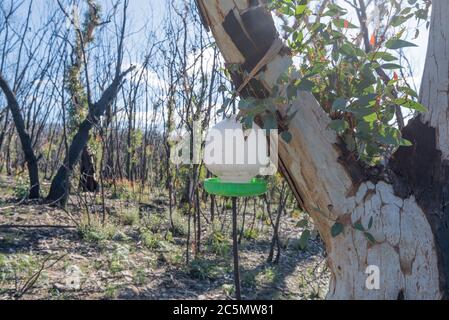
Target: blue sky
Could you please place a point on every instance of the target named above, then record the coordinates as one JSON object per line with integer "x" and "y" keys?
{"x": 151, "y": 10}
{"x": 146, "y": 16}
{"x": 153, "y": 13}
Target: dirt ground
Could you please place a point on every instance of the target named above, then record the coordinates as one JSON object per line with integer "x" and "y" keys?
{"x": 46, "y": 253}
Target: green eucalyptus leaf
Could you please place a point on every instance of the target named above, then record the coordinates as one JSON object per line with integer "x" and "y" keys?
{"x": 335, "y": 10}
{"x": 395, "y": 44}
{"x": 343, "y": 23}
{"x": 304, "y": 239}
{"x": 269, "y": 122}
{"x": 348, "y": 50}
{"x": 359, "y": 226}
{"x": 381, "y": 55}
{"x": 391, "y": 66}
{"x": 286, "y": 136}
{"x": 389, "y": 136}
{"x": 338, "y": 125}
{"x": 370, "y": 237}
{"x": 303, "y": 223}
{"x": 408, "y": 91}
{"x": 300, "y": 9}
{"x": 396, "y": 21}
{"x": 349, "y": 142}
{"x": 339, "y": 104}
{"x": 305, "y": 85}
{"x": 244, "y": 104}
{"x": 336, "y": 229}
{"x": 370, "y": 223}
{"x": 410, "y": 104}
{"x": 405, "y": 143}
{"x": 248, "y": 121}
{"x": 371, "y": 117}
{"x": 365, "y": 100}
{"x": 292, "y": 92}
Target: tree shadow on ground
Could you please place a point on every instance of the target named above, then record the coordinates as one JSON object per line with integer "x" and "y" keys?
{"x": 42, "y": 240}
{"x": 187, "y": 283}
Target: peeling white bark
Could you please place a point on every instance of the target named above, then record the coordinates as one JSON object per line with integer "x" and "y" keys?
{"x": 405, "y": 252}
{"x": 405, "y": 249}
{"x": 435, "y": 82}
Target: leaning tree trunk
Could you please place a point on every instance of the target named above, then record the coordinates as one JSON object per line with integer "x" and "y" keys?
{"x": 60, "y": 186}
{"x": 25, "y": 140}
{"x": 406, "y": 201}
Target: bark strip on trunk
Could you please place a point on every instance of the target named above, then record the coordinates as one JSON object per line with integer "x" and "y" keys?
{"x": 423, "y": 170}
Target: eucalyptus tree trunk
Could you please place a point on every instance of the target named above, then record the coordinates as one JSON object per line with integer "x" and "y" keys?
{"x": 25, "y": 140}
{"x": 88, "y": 181}
{"x": 79, "y": 96}
{"x": 405, "y": 203}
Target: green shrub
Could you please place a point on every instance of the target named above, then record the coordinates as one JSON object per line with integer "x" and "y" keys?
{"x": 154, "y": 223}
{"x": 249, "y": 279}
{"x": 3, "y": 268}
{"x": 219, "y": 244}
{"x": 228, "y": 289}
{"x": 115, "y": 266}
{"x": 169, "y": 237}
{"x": 122, "y": 190}
{"x": 174, "y": 257}
{"x": 179, "y": 226}
{"x": 140, "y": 276}
{"x": 16, "y": 267}
{"x": 21, "y": 189}
{"x": 261, "y": 215}
{"x": 97, "y": 233}
{"x": 130, "y": 217}
{"x": 150, "y": 241}
{"x": 250, "y": 234}
{"x": 119, "y": 259}
{"x": 204, "y": 269}
{"x": 267, "y": 276}
{"x": 111, "y": 292}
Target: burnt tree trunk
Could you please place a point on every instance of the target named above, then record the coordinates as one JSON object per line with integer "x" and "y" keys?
{"x": 60, "y": 186}
{"x": 406, "y": 202}
{"x": 88, "y": 181}
{"x": 80, "y": 96}
{"x": 25, "y": 140}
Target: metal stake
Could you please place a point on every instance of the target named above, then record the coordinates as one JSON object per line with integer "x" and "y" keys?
{"x": 235, "y": 247}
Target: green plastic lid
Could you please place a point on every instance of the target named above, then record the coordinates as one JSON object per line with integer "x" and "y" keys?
{"x": 255, "y": 187}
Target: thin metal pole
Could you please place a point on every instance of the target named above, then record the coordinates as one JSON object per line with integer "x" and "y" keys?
{"x": 235, "y": 247}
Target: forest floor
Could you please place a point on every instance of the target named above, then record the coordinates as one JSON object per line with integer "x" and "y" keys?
{"x": 49, "y": 253}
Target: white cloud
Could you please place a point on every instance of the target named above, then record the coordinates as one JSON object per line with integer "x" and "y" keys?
{"x": 194, "y": 62}
{"x": 149, "y": 76}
